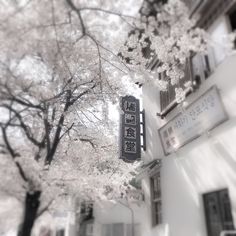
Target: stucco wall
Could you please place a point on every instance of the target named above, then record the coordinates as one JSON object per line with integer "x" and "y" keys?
{"x": 206, "y": 164}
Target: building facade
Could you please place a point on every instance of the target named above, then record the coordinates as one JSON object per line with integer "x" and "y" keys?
{"x": 189, "y": 179}
{"x": 113, "y": 218}
{"x": 119, "y": 218}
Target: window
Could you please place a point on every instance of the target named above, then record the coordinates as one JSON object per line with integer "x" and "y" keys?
{"x": 202, "y": 66}
{"x": 120, "y": 229}
{"x": 195, "y": 6}
{"x": 218, "y": 212}
{"x": 214, "y": 10}
{"x": 198, "y": 68}
{"x": 60, "y": 232}
{"x": 232, "y": 19}
{"x": 89, "y": 230}
{"x": 86, "y": 211}
{"x": 156, "y": 199}
{"x": 167, "y": 98}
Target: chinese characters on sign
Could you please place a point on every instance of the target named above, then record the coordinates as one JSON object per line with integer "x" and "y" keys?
{"x": 130, "y": 132}
{"x": 130, "y": 129}
{"x": 130, "y": 146}
{"x": 130, "y": 119}
{"x": 129, "y": 106}
{"x": 201, "y": 116}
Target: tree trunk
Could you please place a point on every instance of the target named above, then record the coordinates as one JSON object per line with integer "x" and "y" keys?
{"x": 32, "y": 203}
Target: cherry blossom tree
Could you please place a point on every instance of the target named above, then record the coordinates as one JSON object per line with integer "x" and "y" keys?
{"x": 59, "y": 70}
{"x": 79, "y": 171}
{"x": 161, "y": 44}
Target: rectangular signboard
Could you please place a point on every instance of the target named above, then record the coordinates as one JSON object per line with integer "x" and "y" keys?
{"x": 202, "y": 115}
{"x": 130, "y": 129}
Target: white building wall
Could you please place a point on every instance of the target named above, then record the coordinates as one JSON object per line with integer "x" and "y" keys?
{"x": 151, "y": 100}
{"x": 219, "y": 32}
{"x": 206, "y": 164}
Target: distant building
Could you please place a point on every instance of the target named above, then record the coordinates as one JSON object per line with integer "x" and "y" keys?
{"x": 64, "y": 223}
{"x": 118, "y": 218}
{"x": 86, "y": 219}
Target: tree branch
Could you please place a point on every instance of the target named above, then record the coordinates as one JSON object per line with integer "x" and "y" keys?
{"x": 47, "y": 130}
{"x": 57, "y": 41}
{"x": 24, "y": 126}
{"x": 56, "y": 139}
{"x": 77, "y": 10}
{"x": 39, "y": 213}
{"x": 67, "y": 131}
{"x": 21, "y": 171}
{"x": 88, "y": 141}
{"x": 8, "y": 145}
{"x": 13, "y": 154}
{"x": 107, "y": 12}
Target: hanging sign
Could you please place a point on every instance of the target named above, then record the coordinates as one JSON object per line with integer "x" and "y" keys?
{"x": 130, "y": 147}
{"x": 202, "y": 115}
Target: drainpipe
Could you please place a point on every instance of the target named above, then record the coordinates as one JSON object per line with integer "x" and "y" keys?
{"x": 132, "y": 217}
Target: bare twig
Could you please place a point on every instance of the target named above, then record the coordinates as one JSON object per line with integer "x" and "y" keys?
{"x": 108, "y": 12}
{"x": 67, "y": 131}
{"x": 45, "y": 208}
{"x": 57, "y": 41}
{"x": 88, "y": 141}
{"x": 7, "y": 143}
{"x": 77, "y": 10}
{"x": 26, "y": 129}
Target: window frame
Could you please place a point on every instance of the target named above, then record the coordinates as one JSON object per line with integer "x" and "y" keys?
{"x": 89, "y": 229}
{"x": 202, "y": 65}
{"x": 213, "y": 12}
{"x": 108, "y": 229}
{"x": 156, "y": 200}
{"x": 167, "y": 98}
{"x": 219, "y": 218}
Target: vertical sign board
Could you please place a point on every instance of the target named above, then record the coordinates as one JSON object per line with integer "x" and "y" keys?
{"x": 130, "y": 147}
{"x": 202, "y": 115}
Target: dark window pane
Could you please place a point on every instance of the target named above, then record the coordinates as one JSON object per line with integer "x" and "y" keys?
{"x": 167, "y": 97}
{"x": 218, "y": 212}
{"x": 156, "y": 198}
